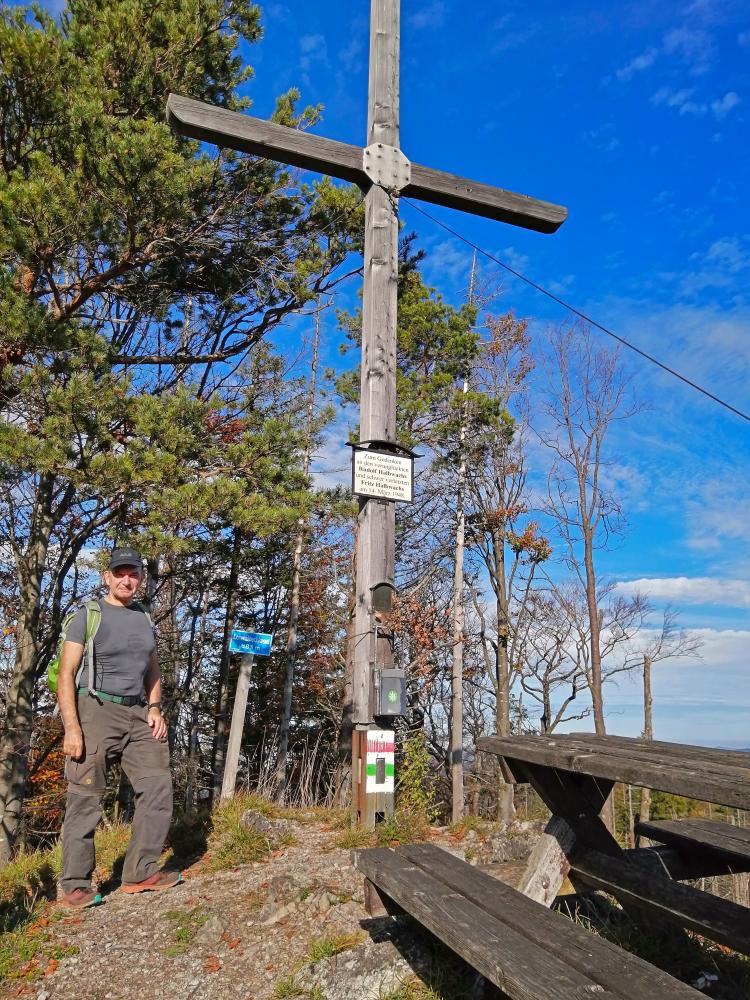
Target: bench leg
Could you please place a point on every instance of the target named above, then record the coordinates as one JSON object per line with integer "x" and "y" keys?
{"x": 548, "y": 866}
{"x": 377, "y": 903}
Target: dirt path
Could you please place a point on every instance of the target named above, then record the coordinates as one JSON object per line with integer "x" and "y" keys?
{"x": 236, "y": 934}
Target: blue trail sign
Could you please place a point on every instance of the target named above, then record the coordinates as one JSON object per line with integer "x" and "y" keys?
{"x": 257, "y": 643}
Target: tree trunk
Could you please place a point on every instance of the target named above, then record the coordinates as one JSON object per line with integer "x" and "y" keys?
{"x": 221, "y": 726}
{"x": 457, "y": 673}
{"x": 291, "y": 642}
{"x": 346, "y": 729}
{"x": 597, "y": 697}
{"x": 505, "y": 809}
{"x": 16, "y": 738}
{"x": 648, "y": 731}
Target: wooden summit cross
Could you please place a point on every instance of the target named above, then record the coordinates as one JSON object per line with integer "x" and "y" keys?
{"x": 383, "y": 173}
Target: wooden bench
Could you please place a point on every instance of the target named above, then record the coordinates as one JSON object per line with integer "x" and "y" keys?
{"x": 526, "y": 950}
{"x": 728, "y": 845}
{"x": 574, "y": 774}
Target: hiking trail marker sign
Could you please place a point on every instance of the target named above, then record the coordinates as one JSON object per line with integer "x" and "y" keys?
{"x": 250, "y": 644}
{"x": 257, "y": 643}
{"x": 380, "y": 767}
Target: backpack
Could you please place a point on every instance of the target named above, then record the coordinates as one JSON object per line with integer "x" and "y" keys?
{"x": 93, "y": 621}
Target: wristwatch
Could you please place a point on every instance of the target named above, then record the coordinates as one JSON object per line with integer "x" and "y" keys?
{"x": 154, "y": 704}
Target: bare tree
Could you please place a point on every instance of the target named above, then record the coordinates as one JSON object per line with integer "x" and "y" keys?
{"x": 507, "y": 545}
{"x": 553, "y": 671}
{"x": 671, "y": 641}
{"x": 586, "y": 392}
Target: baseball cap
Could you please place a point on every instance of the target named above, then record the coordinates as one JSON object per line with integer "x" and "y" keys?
{"x": 125, "y": 557}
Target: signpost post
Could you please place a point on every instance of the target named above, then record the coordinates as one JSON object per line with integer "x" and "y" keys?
{"x": 250, "y": 644}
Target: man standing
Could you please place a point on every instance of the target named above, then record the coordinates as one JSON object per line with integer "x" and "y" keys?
{"x": 119, "y": 719}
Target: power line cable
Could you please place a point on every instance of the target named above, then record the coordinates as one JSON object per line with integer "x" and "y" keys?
{"x": 579, "y": 313}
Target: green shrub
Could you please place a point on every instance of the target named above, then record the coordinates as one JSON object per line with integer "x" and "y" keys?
{"x": 414, "y": 793}
{"x": 404, "y": 827}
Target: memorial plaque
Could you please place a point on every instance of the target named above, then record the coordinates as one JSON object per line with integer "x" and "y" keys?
{"x": 382, "y": 475}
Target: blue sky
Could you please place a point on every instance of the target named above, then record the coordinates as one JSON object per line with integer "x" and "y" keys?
{"x": 635, "y": 116}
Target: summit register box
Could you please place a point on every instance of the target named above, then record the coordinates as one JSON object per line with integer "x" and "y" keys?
{"x": 391, "y": 699}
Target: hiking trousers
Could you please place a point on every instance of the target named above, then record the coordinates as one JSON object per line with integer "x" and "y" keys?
{"x": 114, "y": 733}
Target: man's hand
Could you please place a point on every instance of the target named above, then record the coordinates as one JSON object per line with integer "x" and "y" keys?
{"x": 158, "y": 723}
{"x": 73, "y": 743}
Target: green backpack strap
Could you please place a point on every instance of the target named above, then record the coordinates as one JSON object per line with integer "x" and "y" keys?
{"x": 93, "y": 621}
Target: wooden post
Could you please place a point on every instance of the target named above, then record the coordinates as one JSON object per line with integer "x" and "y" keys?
{"x": 238, "y": 724}
{"x": 376, "y": 528}
{"x": 377, "y": 420}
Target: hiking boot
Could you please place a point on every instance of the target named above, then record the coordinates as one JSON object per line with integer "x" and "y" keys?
{"x": 79, "y": 899}
{"x": 159, "y": 880}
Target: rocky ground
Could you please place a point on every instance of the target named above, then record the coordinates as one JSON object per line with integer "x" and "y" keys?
{"x": 293, "y": 925}
{"x": 289, "y": 925}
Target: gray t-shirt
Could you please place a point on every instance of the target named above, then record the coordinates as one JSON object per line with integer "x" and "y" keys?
{"x": 122, "y": 648}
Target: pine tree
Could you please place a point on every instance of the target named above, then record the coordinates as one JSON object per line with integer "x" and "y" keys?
{"x": 135, "y": 272}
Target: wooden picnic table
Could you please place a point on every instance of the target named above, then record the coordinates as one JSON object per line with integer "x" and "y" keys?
{"x": 574, "y": 775}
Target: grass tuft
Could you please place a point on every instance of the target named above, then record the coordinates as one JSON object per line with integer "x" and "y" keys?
{"x": 185, "y": 924}
{"x": 404, "y": 827}
{"x": 231, "y": 843}
{"x": 332, "y": 944}
{"x": 460, "y": 829}
{"x": 288, "y": 987}
{"x": 27, "y": 952}
{"x": 413, "y": 989}
{"x": 355, "y": 837}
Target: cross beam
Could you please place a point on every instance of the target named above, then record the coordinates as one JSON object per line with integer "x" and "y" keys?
{"x": 383, "y": 172}
{"x": 233, "y": 130}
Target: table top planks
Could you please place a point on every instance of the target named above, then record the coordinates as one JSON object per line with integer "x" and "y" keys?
{"x": 710, "y": 775}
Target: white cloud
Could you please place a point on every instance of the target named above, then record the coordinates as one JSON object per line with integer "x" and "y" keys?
{"x": 513, "y": 258}
{"x": 515, "y": 39}
{"x": 447, "y": 261}
{"x": 331, "y": 464}
{"x": 313, "y": 49}
{"x": 725, "y": 264}
{"x": 603, "y": 138}
{"x": 313, "y": 46}
{"x": 691, "y": 590}
{"x": 724, "y": 105}
{"x": 698, "y": 701}
{"x": 693, "y": 45}
{"x": 278, "y": 11}
{"x": 637, "y": 65}
{"x": 680, "y": 99}
{"x": 349, "y": 56}
{"x": 431, "y": 16}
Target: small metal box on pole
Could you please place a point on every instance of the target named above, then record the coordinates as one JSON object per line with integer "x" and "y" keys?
{"x": 392, "y": 693}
